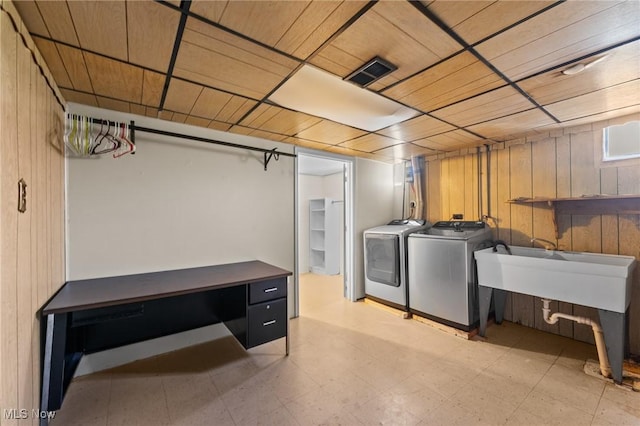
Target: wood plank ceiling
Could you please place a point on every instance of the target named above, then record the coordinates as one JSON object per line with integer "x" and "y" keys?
{"x": 476, "y": 72}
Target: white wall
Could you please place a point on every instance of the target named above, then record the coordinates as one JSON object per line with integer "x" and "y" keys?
{"x": 177, "y": 204}
{"x": 334, "y": 188}
{"x": 374, "y": 206}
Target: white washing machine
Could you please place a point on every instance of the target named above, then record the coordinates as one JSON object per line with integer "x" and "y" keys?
{"x": 385, "y": 261}
{"x": 442, "y": 278}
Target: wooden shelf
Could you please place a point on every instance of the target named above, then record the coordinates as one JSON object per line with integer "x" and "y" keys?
{"x": 586, "y": 205}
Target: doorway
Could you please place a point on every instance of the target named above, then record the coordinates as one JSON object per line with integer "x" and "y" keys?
{"x": 324, "y": 224}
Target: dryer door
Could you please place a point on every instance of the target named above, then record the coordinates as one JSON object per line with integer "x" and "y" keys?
{"x": 382, "y": 258}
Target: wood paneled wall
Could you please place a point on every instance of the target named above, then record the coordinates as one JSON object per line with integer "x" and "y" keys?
{"x": 560, "y": 163}
{"x": 32, "y": 265}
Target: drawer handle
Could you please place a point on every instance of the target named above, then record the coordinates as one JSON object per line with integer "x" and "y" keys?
{"x": 269, "y": 290}
{"x": 268, "y": 323}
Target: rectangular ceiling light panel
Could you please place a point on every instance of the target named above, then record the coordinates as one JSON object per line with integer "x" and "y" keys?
{"x": 319, "y": 93}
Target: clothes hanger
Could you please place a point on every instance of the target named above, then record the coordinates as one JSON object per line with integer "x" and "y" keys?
{"x": 106, "y": 135}
{"x": 86, "y": 134}
{"x": 124, "y": 136}
{"x": 73, "y": 133}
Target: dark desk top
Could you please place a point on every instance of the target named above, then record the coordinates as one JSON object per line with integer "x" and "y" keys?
{"x": 101, "y": 292}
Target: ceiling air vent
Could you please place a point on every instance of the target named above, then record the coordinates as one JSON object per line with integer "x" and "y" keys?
{"x": 373, "y": 70}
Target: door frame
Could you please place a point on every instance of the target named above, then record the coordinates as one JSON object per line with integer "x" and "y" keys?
{"x": 349, "y": 215}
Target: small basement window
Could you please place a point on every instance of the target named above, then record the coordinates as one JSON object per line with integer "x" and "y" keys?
{"x": 621, "y": 142}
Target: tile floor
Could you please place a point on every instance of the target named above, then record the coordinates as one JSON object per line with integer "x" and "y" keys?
{"x": 355, "y": 364}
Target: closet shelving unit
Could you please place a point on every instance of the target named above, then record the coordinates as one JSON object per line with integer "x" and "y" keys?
{"x": 324, "y": 237}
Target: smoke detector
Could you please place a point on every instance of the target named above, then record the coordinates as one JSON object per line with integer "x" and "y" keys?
{"x": 370, "y": 72}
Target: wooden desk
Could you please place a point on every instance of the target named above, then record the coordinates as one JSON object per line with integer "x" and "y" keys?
{"x": 86, "y": 316}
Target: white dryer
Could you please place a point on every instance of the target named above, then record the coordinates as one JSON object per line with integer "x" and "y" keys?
{"x": 385, "y": 262}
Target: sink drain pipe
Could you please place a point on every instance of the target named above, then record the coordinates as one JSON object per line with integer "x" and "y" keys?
{"x": 598, "y": 335}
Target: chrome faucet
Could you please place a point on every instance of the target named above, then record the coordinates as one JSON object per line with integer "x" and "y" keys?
{"x": 548, "y": 245}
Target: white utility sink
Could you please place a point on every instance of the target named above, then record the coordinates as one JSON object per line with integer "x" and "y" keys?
{"x": 601, "y": 281}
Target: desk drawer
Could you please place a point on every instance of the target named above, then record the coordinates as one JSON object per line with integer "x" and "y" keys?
{"x": 267, "y": 290}
{"x": 266, "y": 321}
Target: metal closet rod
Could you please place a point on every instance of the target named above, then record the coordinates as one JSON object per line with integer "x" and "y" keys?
{"x": 268, "y": 153}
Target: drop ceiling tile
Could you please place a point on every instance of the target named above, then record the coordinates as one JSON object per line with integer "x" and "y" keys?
{"x": 265, "y": 21}
{"x": 396, "y": 32}
{"x": 210, "y": 102}
{"x": 58, "y": 21}
{"x": 416, "y": 128}
{"x": 221, "y": 106}
{"x": 369, "y": 143}
{"x": 149, "y": 44}
{"x": 235, "y": 109}
{"x": 247, "y": 131}
{"x": 505, "y": 127}
{"x": 212, "y": 10}
{"x": 262, "y": 114}
{"x": 626, "y": 114}
{"x": 405, "y": 151}
{"x": 297, "y": 28}
{"x": 101, "y": 26}
{"x": 330, "y": 133}
{"x": 113, "y": 104}
{"x": 75, "y": 66}
{"x": 268, "y": 135}
{"x": 561, "y": 34}
{"x": 617, "y": 66}
{"x": 218, "y": 125}
{"x": 336, "y": 61}
{"x": 197, "y": 121}
{"x": 114, "y": 79}
{"x": 458, "y": 78}
{"x": 52, "y": 57}
{"x": 489, "y": 106}
{"x": 616, "y": 97}
{"x": 354, "y": 153}
{"x": 138, "y": 109}
{"x": 316, "y": 25}
{"x": 279, "y": 120}
{"x": 31, "y": 17}
{"x": 307, "y": 144}
{"x": 475, "y": 20}
{"x": 221, "y": 60}
{"x": 165, "y": 115}
{"x": 178, "y": 117}
{"x": 79, "y": 98}
{"x": 151, "y": 112}
{"x": 182, "y": 96}
{"x": 451, "y": 141}
{"x": 153, "y": 84}
{"x": 241, "y": 130}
